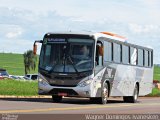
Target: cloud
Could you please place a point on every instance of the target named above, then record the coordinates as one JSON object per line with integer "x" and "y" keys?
{"x": 15, "y": 46}
{"x": 14, "y": 32}
{"x": 139, "y": 29}
{"x": 21, "y": 27}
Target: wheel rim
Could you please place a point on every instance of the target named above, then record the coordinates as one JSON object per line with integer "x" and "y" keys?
{"x": 105, "y": 94}
{"x": 136, "y": 94}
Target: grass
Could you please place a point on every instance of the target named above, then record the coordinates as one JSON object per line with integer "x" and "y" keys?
{"x": 30, "y": 88}
{"x": 18, "y": 88}
{"x": 13, "y": 63}
{"x": 156, "y": 73}
{"x": 155, "y": 92}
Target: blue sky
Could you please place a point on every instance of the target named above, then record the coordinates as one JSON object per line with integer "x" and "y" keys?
{"x": 23, "y": 21}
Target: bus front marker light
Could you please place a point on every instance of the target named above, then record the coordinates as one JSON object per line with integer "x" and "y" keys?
{"x": 40, "y": 79}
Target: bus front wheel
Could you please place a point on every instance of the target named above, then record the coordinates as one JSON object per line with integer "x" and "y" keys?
{"x": 132, "y": 99}
{"x": 56, "y": 98}
{"x": 104, "y": 94}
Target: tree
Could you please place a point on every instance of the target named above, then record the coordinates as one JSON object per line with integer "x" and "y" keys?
{"x": 29, "y": 61}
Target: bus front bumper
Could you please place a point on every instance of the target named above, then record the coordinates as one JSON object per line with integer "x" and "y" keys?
{"x": 78, "y": 91}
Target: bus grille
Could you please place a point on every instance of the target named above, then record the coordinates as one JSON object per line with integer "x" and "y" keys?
{"x": 70, "y": 92}
{"x": 63, "y": 85}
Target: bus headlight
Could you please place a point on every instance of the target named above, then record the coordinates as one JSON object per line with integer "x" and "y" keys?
{"x": 84, "y": 83}
{"x": 42, "y": 81}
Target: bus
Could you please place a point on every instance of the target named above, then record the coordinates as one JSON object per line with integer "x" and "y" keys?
{"x": 93, "y": 65}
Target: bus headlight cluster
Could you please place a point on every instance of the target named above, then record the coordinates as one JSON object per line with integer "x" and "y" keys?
{"x": 84, "y": 83}
{"x": 42, "y": 81}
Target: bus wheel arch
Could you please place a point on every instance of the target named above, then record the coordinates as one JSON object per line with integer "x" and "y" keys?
{"x": 133, "y": 99}
{"x": 137, "y": 83}
{"x": 108, "y": 83}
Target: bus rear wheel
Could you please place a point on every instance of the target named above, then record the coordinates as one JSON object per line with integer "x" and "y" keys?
{"x": 56, "y": 98}
{"x": 132, "y": 99}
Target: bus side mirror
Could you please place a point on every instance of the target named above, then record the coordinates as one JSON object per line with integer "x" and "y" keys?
{"x": 101, "y": 50}
{"x": 35, "y": 46}
{"x": 35, "y": 49}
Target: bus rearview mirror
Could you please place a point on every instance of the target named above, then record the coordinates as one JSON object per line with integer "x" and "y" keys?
{"x": 101, "y": 51}
{"x": 35, "y": 46}
{"x": 35, "y": 49}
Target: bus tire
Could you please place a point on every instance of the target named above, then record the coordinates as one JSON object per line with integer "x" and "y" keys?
{"x": 104, "y": 94}
{"x": 94, "y": 100}
{"x": 132, "y": 99}
{"x": 56, "y": 98}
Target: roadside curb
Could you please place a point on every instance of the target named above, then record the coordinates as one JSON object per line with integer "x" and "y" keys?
{"x": 11, "y": 96}
{"x": 44, "y": 96}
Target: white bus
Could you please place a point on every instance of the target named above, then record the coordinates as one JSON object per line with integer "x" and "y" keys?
{"x": 93, "y": 65}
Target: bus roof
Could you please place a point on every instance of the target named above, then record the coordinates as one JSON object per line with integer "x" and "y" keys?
{"x": 96, "y": 35}
{"x": 71, "y": 33}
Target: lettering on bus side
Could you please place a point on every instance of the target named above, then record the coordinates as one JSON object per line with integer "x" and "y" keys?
{"x": 109, "y": 74}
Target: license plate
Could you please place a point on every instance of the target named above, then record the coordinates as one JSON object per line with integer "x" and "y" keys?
{"x": 62, "y": 94}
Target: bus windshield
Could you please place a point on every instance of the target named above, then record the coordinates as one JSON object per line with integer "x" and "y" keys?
{"x": 67, "y": 55}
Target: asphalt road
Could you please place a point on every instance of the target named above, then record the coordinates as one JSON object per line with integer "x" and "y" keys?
{"x": 144, "y": 105}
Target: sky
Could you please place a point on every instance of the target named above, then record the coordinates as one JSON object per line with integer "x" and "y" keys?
{"x": 24, "y": 21}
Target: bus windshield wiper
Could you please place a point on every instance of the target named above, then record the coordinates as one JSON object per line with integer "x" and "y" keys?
{"x": 52, "y": 69}
{"x": 70, "y": 59}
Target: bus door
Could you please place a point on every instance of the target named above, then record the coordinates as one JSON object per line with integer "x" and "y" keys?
{"x": 99, "y": 57}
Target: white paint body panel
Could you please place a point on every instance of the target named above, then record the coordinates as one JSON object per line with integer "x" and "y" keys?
{"x": 127, "y": 76}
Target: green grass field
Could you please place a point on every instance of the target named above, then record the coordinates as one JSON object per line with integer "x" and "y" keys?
{"x": 155, "y": 92}
{"x": 157, "y": 73}
{"x": 18, "y": 88}
{"x": 13, "y": 63}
